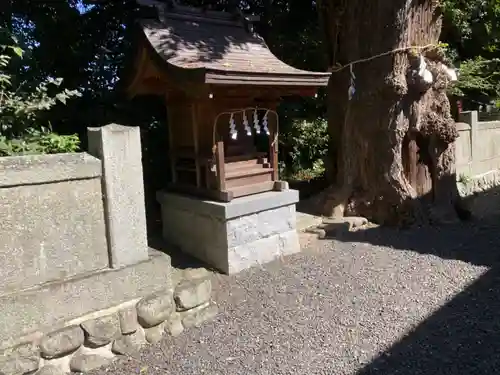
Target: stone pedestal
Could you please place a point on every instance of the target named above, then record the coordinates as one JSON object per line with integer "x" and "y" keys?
{"x": 232, "y": 236}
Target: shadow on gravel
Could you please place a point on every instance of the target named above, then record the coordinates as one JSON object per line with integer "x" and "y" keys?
{"x": 476, "y": 241}
{"x": 462, "y": 337}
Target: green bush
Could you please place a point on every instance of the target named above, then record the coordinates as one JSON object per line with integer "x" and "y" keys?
{"x": 304, "y": 146}
{"x": 478, "y": 78}
{"x": 39, "y": 142}
{"x": 21, "y": 106}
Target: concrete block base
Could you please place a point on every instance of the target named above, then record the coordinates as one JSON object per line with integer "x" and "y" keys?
{"x": 104, "y": 316}
{"x": 34, "y": 311}
{"x": 232, "y": 236}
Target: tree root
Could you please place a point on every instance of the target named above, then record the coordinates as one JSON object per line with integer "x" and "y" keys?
{"x": 399, "y": 206}
{"x": 331, "y": 202}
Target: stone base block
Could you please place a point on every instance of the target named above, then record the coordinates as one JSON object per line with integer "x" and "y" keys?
{"x": 232, "y": 236}
{"x": 95, "y": 339}
{"x": 34, "y": 311}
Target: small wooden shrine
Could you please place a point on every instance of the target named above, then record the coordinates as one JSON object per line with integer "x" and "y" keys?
{"x": 222, "y": 86}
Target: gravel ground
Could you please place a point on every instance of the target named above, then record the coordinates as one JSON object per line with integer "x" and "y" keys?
{"x": 379, "y": 302}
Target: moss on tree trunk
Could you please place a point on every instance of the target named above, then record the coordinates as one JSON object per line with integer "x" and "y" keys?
{"x": 395, "y": 157}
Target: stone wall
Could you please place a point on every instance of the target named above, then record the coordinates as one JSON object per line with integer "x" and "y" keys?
{"x": 479, "y": 184}
{"x": 80, "y": 284}
{"x": 478, "y": 145}
{"x": 96, "y": 339}
{"x": 41, "y": 200}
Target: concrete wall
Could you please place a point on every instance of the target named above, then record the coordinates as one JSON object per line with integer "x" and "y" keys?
{"x": 478, "y": 145}
{"x": 68, "y": 220}
{"x": 52, "y": 219}
{"x": 79, "y": 283}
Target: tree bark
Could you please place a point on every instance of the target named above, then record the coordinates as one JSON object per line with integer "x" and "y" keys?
{"x": 394, "y": 140}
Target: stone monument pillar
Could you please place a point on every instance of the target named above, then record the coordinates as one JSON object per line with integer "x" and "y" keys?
{"x": 119, "y": 148}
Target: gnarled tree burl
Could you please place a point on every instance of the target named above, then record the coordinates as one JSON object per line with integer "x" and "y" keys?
{"x": 395, "y": 154}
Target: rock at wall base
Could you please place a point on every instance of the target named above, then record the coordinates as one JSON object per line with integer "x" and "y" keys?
{"x": 192, "y": 293}
{"x": 62, "y": 342}
{"x": 62, "y": 363}
{"x": 155, "y": 334}
{"x": 199, "y": 315}
{"x": 154, "y": 309}
{"x": 129, "y": 345}
{"x": 174, "y": 326}
{"x": 101, "y": 331}
{"x": 87, "y": 362}
{"x": 128, "y": 320}
{"x": 22, "y": 360}
{"x": 50, "y": 370}
{"x": 16, "y": 366}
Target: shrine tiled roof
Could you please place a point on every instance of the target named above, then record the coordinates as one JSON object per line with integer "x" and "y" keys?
{"x": 224, "y": 47}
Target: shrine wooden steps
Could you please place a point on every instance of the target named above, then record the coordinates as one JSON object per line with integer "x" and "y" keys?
{"x": 247, "y": 170}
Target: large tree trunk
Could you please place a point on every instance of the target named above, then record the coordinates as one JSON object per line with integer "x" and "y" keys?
{"x": 395, "y": 161}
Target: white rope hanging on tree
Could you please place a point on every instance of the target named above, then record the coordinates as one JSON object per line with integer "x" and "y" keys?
{"x": 256, "y": 124}
{"x": 423, "y": 72}
{"x": 352, "y": 84}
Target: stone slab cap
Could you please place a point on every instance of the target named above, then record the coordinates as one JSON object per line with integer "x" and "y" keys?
{"x": 461, "y": 126}
{"x": 111, "y": 127}
{"x": 229, "y": 210}
{"x": 40, "y": 169}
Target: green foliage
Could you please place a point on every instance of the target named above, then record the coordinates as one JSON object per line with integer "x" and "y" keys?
{"x": 88, "y": 43}
{"x": 39, "y": 142}
{"x": 20, "y": 110}
{"x": 478, "y": 77}
{"x": 306, "y": 174}
{"x": 305, "y": 144}
{"x": 472, "y": 26}
{"x": 471, "y": 30}
{"x": 93, "y": 49}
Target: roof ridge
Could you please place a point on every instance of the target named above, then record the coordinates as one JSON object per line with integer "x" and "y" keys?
{"x": 173, "y": 10}
{"x": 203, "y": 18}
{"x": 234, "y": 18}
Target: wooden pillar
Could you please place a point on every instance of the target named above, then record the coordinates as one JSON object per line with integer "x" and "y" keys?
{"x": 194, "y": 126}
{"x": 273, "y": 146}
{"x": 220, "y": 166}
{"x": 172, "y": 155}
{"x": 273, "y": 155}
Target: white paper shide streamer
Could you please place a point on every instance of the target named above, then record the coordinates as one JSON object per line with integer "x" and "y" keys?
{"x": 256, "y": 122}
{"x": 451, "y": 72}
{"x": 352, "y": 84}
{"x": 423, "y": 72}
{"x": 264, "y": 124}
{"x": 232, "y": 128}
{"x": 248, "y": 129}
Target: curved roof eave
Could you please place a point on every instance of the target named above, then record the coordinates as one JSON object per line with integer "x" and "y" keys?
{"x": 189, "y": 49}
